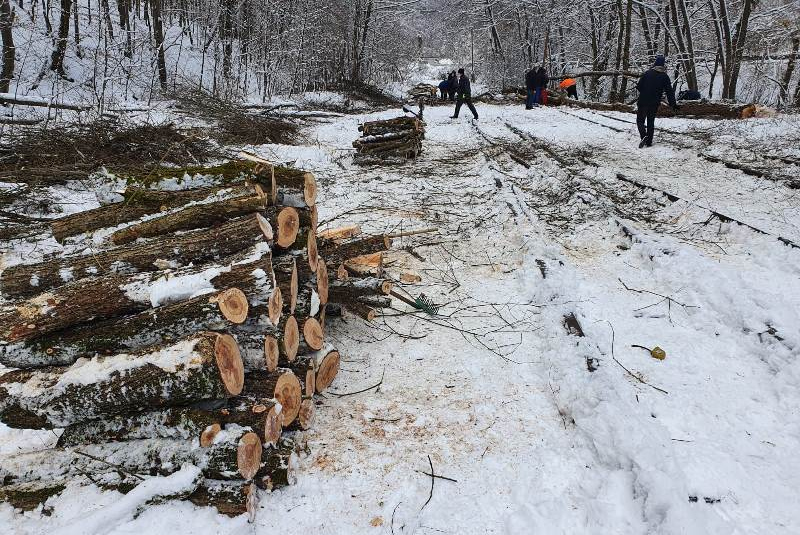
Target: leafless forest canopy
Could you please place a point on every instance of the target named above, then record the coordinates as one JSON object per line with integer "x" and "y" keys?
{"x": 106, "y": 50}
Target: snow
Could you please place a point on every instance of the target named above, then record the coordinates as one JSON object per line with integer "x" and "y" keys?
{"x": 103, "y": 520}
{"x": 173, "y": 287}
{"x": 495, "y": 389}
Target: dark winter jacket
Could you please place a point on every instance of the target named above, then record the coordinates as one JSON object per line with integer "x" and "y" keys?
{"x": 652, "y": 86}
{"x": 530, "y": 79}
{"x": 464, "y": 89}
{"x": 443, "y": 85}
{"x": 540, "y": 79}
{"x": 453, "y": 82}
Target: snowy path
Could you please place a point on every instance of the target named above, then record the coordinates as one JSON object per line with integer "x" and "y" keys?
{"x": 499, "y": 394}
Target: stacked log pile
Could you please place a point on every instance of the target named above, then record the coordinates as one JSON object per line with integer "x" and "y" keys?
{"x": 395, "y": 139}
{"x": 196, "y": 334}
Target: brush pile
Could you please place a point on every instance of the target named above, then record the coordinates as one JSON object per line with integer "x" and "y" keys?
{"x": 190, "y": 329}
{"x": 390, "y": 140}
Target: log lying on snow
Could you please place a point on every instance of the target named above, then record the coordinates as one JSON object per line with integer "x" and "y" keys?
{"x": 335, "y": 252}
{"x": 202, "y": 366}
{"x": 236, "y": 453}
{"x": 350, "y": 290}
{"x": 201, "y": 421}
{"x": 264, "y": 347}
{"x": 138, "y": 202}
{"x": 214, "y": 244}
{"x": 694, "y": 108}
{"x": 228, "y": 497}
{"x": 291, "y": 187}
{"x": 190, "y": 218}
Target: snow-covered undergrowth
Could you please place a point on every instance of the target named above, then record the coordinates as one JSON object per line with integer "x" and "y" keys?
{"x": 495, "y": 390}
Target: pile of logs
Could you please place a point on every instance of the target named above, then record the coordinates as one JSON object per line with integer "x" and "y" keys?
{"x": 390, "y": 140}
{"x": 195, "y": 334}
{"x": 423, "y": 90}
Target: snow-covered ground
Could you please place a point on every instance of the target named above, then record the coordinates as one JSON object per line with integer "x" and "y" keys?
{"x": 494, "y": 392}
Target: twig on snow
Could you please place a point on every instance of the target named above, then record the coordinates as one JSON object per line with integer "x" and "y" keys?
{"x": 626, "y": 369}
{"x": 433, "y": 479}
{"x": 365, "y": 389}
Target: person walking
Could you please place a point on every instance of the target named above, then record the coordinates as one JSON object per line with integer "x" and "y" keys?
{"x": 652, "y": 86}
{"x": 530, "y": 88}
{"x": 452, "y": 86}
{"x": 540, "y": 81}
{"x": 464, "y": 95}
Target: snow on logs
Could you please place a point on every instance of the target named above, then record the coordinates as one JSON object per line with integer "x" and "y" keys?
{"x": 191, "y": 331}
{"x": 398, "y": 138}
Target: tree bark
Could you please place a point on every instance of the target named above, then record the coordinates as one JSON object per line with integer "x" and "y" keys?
{"x": 787, "y": 74}
{"x": 166, "y": 251}
{"x": 201, "y": 366}
{"x": 158, "y": 35}
{"x": 190, "y": 218}
{"x": 235, "y": 455}
{"x": 60, "y": 50}
{"x": 138, "y": 202}
{"x": 9, "y": 52}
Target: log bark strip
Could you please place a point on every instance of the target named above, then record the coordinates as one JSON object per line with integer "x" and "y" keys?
{"x": 192, "y": 247}
{"x": 202, "y": 366}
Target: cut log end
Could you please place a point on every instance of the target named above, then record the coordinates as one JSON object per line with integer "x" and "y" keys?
{"x": 273, "y": 427}
{"x": 341, "y": 273}
{"x": 289, "y": 394}
{"x": 275, "y": 306}
{"x": 288, "y": 226}
{"x": 291, "y": 339}
{"x": 309, "y": 189}
{"x": 312, "y": 333}
{"x": 229, "y": 363}
{"x": 306, "y": 415}
{"x": 266, "y": 227}
{"x": 313, "y": 252}
{"x": 271, "y": 353}
{"x": 248, "y": 455}
{"x": 387, "y": 287}
{"x": 311, "y": 382}
{"x": 322, "y": 281}
{"x": 209, "y": 434}
{"x": 327, "y": 371}
{"x": 293, "y": 285}
{"x": 233, "y": 305}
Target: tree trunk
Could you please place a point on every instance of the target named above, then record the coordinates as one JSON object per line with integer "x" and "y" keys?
{"x": 191, "y": 217}
{"x": 167, "y": 251}
{"x": 9, "y": 52}
{"x": 235, "y": 455}
{"x": 158, "y": 35}
{"x": 60, "y": 50}
{"x": 787, "y": 74}
{"x": 201, "y": 366}
{"x": 626, "y": 49}
{"x": 138, "y": 202}
{"x": 200, "y": 423}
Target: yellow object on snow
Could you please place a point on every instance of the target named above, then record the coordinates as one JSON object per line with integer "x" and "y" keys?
{"x": 658, "y": 353}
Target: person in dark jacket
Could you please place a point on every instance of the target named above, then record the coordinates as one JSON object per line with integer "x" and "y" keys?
{"x": 452, "y": 87}
{"x": 540, "y": 84}
{"x": 652, "y": 86}
{"x": 530, "y": 88}
{"x": 443, "y": 85}
{"x": 464, "y": 95}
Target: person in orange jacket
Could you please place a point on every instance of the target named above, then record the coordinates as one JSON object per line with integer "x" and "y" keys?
{"x": 571, "y": 87}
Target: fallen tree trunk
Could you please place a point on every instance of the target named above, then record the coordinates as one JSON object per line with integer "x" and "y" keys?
{"x": 721, "y": 110}
{"x": 350, "y": 290}
{"x": 190, "y": 218}
{"x": 235, "y": 454}
{"x": 202, "y": 366}
{"x": 230, "y": 498}
{"x": 168, "y": 251}
{"x": 337, "y": 253}
{"x": 200, "y": 422}
{"x": 138, "y": 202}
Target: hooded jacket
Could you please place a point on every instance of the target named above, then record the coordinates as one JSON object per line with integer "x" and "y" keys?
{"x": 464, "y": 89}
{"x": 652, "y": 86}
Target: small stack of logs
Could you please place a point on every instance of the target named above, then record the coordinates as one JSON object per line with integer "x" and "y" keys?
{"x": 391, "y": 139}
{"x": 195, "y": 333}
{"x": 423, "y": 90}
